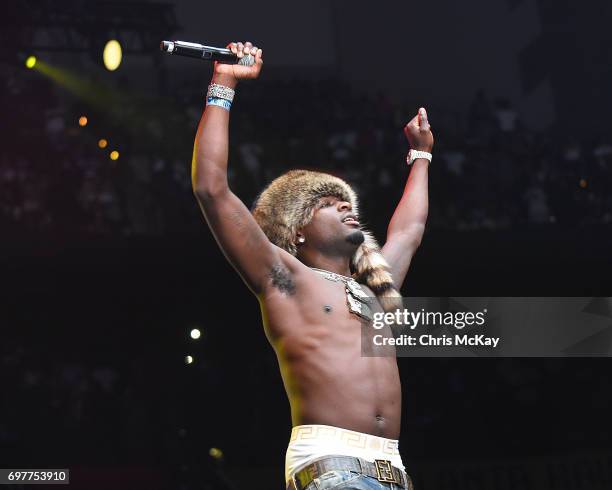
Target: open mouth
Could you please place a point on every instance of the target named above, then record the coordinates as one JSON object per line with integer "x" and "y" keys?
{"x": 350, "y": 220}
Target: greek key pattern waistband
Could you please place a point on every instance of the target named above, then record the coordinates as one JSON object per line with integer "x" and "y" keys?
{"x": 347, "y": 437}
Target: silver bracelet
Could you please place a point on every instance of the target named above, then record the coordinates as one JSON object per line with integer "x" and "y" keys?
{"x": 414, "y": 154}
{"x": 221, "y": 92}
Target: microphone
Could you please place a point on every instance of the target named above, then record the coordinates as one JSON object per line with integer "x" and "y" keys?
{"x": 207, "y": 53}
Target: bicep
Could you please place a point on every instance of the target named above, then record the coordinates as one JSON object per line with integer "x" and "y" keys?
{"x": 398, "y": 251}
{"x": 240, "y": 238}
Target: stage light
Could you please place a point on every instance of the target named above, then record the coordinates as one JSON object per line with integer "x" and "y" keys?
{"x": 114, "y": 155}
{"x": 195, "y": 334}
{"x": 31, "y": 61}
{"x": 102, "y": 143}
{"x": 112, "y": 55}
{"x": 188, "y": 360}
{"x": 83, "y": 121}
{"x": 215, "y": 452}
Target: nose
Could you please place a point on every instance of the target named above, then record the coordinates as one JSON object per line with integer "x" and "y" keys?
{"x": 344, "y": 206}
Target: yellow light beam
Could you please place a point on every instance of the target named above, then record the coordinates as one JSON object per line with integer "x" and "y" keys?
{"x": 132, "y": 111}
{"x": 97, "y": 95}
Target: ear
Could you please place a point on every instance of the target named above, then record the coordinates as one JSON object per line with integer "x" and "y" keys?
{"x": 299, "y": 238}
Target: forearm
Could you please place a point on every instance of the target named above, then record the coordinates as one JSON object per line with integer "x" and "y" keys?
{"x": 410, "y": 215}
{"x": 210, "y": 151}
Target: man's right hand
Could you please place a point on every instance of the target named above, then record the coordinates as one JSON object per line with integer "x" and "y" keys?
{"x": 228, "y": 74}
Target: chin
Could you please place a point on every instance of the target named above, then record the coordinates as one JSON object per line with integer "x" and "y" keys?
{"x": 355, "y": 237}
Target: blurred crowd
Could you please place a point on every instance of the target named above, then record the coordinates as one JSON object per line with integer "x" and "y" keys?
{"x": 489, "y": 170}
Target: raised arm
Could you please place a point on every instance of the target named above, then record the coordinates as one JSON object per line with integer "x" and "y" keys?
{"x": 241, "y": 239}
{"x": 407, "y": 224}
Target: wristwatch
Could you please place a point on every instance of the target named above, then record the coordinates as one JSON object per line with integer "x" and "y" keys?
{"x": 414, "y": 154}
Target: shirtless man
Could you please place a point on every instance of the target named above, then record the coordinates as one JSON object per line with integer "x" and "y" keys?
{"x": 305, "y": 256}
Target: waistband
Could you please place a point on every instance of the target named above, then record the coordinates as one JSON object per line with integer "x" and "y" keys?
{"x": 311, "y": 442}
{"x": 346, "y": 437}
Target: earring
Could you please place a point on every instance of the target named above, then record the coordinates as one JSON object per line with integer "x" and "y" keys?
{"x": 301, "y": 239}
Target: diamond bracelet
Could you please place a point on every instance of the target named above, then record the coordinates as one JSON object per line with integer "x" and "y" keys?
{"x": 221, "y": 92}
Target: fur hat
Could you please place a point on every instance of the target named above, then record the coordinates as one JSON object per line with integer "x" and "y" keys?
{"x": 289, "y": 203}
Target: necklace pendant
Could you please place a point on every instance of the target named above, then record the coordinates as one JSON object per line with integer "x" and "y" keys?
{"x": 356, "y": 289}
{"x": 354, "y": 304}
{"x": 359, "y": 308}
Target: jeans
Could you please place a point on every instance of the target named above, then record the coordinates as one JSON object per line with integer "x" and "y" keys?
{"x": 348, "y": 480}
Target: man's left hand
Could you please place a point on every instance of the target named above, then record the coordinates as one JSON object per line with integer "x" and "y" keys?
{"x": 418, "y": 132}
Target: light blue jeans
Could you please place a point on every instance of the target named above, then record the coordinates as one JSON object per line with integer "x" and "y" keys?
{"x": 348, "y": 480}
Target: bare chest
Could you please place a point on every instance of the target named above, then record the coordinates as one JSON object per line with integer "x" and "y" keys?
{"x": 319, "y": 306}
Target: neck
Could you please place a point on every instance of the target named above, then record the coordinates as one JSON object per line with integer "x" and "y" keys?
{"x": 339, "y": 265}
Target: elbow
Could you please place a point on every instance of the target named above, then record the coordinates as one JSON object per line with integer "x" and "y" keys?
{"x": 209, "y": 189}
{"x": 207, "y": 193}
{"x": 208, "y": 179}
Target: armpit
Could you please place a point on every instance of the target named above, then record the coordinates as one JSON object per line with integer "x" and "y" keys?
{"x": 282, "y": 279}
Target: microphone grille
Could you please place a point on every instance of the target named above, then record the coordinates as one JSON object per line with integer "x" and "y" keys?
{"x": 247, "y": 60}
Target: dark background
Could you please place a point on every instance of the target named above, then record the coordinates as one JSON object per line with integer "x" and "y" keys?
{"x": 107, "y": 265}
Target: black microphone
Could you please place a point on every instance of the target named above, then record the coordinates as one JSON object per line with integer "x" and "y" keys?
{"x": 208, "y": 53}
